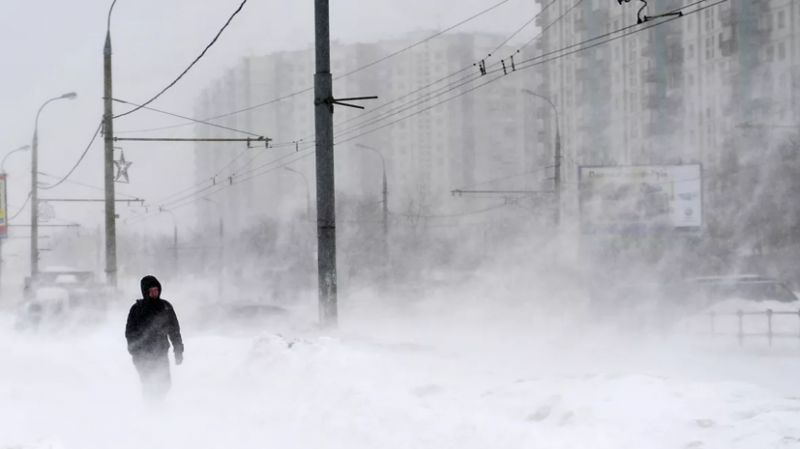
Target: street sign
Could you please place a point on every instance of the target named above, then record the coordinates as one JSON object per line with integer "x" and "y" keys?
{"x": 647, "y": 198}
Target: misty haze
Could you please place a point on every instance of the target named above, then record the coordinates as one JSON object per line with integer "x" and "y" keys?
{"x": 400, "y": 224}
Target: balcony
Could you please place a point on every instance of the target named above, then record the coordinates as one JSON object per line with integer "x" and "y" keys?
{"x": 762, "y": 36}
{"x": 675, "y": 53}
{"x": 580, "y": 24}
{"x": 650, "y": 76}
{"x": 729, "y": 47}
{"x": 728, "y": 17}
{"x": 654, "y": 101}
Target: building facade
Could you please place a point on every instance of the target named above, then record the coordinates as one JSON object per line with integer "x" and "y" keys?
{"x": 435, "y": 132}
{"x": 673, "y": 93}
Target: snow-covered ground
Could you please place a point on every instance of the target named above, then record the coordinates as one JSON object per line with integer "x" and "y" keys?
{"x": 496, "y": 376}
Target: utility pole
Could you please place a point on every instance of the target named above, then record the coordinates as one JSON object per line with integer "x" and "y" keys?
{"x": 108, "y": 133}
{"x": 326, "y": 197}
{"x": 35, "y": 187}
{"x": 557, "y": 176}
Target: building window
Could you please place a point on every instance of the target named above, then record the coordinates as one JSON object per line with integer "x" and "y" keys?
{"x": 770, "y": 53}
{"x": 709, "y": 20}
{"x": 709, "y": 48}
{"x": 782, "y": 51}
{"x": 781, "y": 20}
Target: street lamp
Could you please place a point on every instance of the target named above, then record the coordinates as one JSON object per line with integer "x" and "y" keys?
{"x": 385, "y": 189}
{"x": 308, "y": 192}
{"x": 35, "y": 187}
{"x": 557, "y": 180}
{"x": 3, "y": 164}
{"x": 385, "y": 207}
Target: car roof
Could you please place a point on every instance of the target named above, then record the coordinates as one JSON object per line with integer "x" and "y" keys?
{"x": 732, "y": 279}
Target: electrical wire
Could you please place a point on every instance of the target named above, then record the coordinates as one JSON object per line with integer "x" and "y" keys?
{"x": 497, "y": 5}
{"x": 87, "y": 185}
{"x": 462, "y": 214}
{"x": 175, "y": 205}
{"x": 530, "y": 63}
{"x": 187, "y": 118}
{"x": 21, "y": 209}
{"x": 470, "y": 67}
{"x": 77, "y": 163}
{"x": 519, "y": 69}
{"x": 213, "y": 41}
{"x": 444, "y": 89}
{"x": 540, "y": 169}
{"x": 310, "y": 89}
{"x": 525, "y": 25}
{"x": 396, "y": 113}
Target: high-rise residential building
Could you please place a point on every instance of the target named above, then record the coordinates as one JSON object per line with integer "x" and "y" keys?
{"x": 673, "y": 93}
{"x": 435, "y": 130}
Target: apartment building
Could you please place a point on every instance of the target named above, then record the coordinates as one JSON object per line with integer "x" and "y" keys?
{"x": 673, "y": 93}
{"x": 433, "y": 131}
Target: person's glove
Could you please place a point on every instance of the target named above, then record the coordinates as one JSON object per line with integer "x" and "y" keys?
{"x": 178, "y": 358}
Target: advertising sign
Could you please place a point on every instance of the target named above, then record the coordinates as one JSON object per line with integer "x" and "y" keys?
{"x": 3, "y": 208}
{"x": 643, "y": 198}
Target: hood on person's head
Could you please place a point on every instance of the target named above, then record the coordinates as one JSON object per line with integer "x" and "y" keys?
{"x": 148, "y": 282}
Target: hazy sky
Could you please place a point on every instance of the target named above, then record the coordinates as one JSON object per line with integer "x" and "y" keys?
{"x": 50, "y": 47}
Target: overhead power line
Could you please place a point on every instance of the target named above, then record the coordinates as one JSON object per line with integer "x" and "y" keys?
{"x": 446, "y": 88}
{"x": 21, "y": 209}
{"x": 188, "y": 118}
{"x": 469, "y": 79}
{"x": 213, "y": 41}
{"x": 85, "y": 185}
{"x": 77, "y": 163}
{"x": 485, "y": 11}
{"x": 531, "y": 63}
{"x": 525, "y": 25}
{"x": 300, "y": 92}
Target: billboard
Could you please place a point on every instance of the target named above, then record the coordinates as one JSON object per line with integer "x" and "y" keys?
{"x": 3, "y": 208}
{"x": 645, "y": 198}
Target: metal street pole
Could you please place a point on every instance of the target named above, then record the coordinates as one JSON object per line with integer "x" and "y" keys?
{"x": 557, "y": 177}
{"x": 35, "y": 188}
{"x": 326, "y": 198}
{"x": 385, "y": 205}
{"x": 308, "y": 191}
{"x": 108, "y": 131}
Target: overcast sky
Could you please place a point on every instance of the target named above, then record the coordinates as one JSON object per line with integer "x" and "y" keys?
{"x": 50, "y": 47}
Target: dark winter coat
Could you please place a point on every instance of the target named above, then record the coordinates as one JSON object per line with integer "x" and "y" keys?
{"x": 151, "y": 322}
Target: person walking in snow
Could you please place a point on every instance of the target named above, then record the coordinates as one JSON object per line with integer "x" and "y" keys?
{"x": 151, "y": 322}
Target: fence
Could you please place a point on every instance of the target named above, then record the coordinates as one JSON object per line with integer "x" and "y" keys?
{"x": 769, "y": 316}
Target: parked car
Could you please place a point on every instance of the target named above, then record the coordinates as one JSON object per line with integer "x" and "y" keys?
{"x": 60, "y": 294}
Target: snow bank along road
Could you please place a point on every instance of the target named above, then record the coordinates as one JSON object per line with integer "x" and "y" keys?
{"x": 390, "y": 384}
